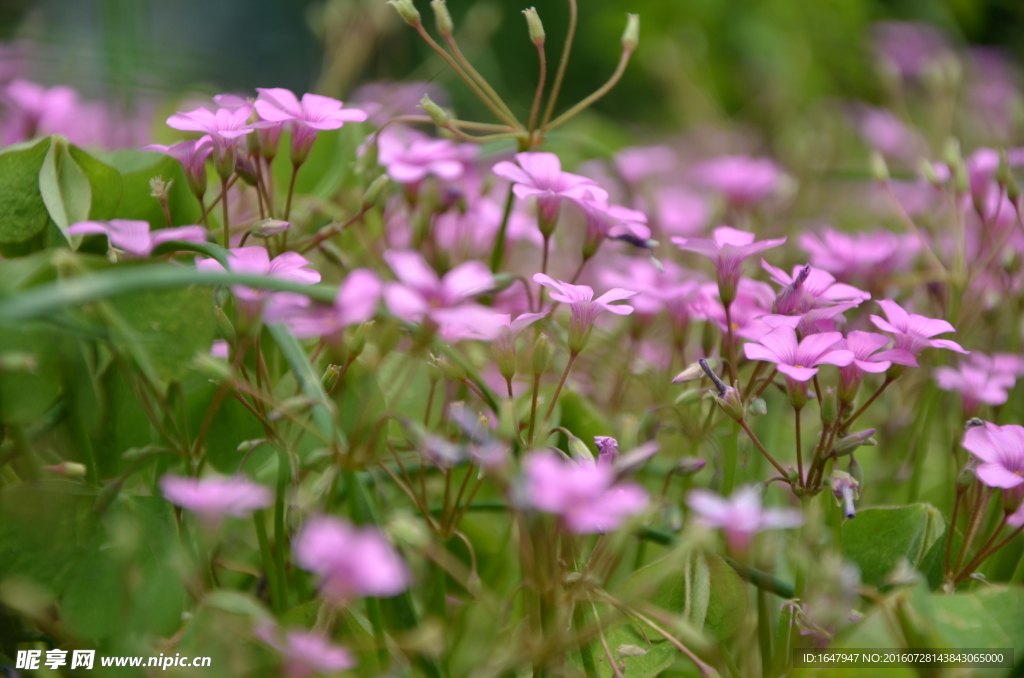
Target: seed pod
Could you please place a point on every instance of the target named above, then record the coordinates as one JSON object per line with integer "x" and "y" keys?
{"x": 442, "y": 17}
{"x": 535, "y": 26}
{"x": 407, "y": 11}
{"x": 631, "y": 36}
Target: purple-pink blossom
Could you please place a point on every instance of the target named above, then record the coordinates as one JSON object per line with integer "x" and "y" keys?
{"x": 134, "y": 237}
{"x": 743, "y": 180}
{"x": 351, "y": 561}
{"x": 867, "y": 256}
{"x": 980, "y": 380}
{"x": 421, "y": 294}
{"x": 914, "y": 332}
{"x": 869, "y": 358}
{"x": 313, "y": 114}
{"x": 356, "y": 303}
{"x": 582, "y": 492}
{"x": 611, "y": 221}
{"x": 810, "y": 288}
{"x": 1001, "y": 451}
{"x": 584, "y": 307}
{"x": 305, "y": 653}
{"x": 741, "y": 516}
{"x": 410, "y": 157}
{"x": 798, "y": 360}
{"x": 214, "y": 497}
{"x": 224, "y": 126}
{"x": 540, "y": 176}
{"x": 727, "y": 249}
{"x": 256, "y": 261}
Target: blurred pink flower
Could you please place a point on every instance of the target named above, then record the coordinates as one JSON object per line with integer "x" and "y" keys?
{"x": 868, "y": 356}
{"x": 980, "y": 379}
{"x": 420, "y": 294}
{"x": 1001, "y": 451}
{"x": 611, "y": 221}
{"x": 540, "y": 175}
{"x": 741, "y": 516}
{"x": 680, "y": 211}
{"x": 220, "y": 349}
{"x": 34, "y": 110}
{"x": 255, "y": 261}
{"x": 637, "y": 163}
{"x": 743, "y": 180}
{"x": 584, "y": 307}
{"x": 910, "y": 48}
{"x": 673, "y": 289}
{"x": 410, "y": 157}
{"x": 869, "y": 257}
{"x": 192, "y": 155}
{"x": 470, "y": 234}
{"x": 914, "y": 332}
{"x": 315, "y": 113}
{"x": 351, "y": 561}
{"x": 305, "y": 652}
{"x": 753, "y": 301}
{"x": 584, "y": 493}
{"x": 213, "y": 497}
{"x": 356, "y": 303}
{"x": 134, "y": 237}
{"x": 799, "y": 361}
{"x": 727, "y": 248}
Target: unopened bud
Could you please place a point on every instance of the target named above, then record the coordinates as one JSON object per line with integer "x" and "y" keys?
{"x": 961, "y": 178}
{"x": 68, "y": 469}
{"x": 450, "y": 369}
{"x": 436, "y": 113}
{"x": 577, "y": 448}
{"x": 852, "y": 441}
{"x": 879, "y": 168}
{"x": 731, "y": 403}
{"x": 690, "y": 396}
{"x": 245, "y": 169}
{"x": 507, "y": 421}
{"x": 357, "y": 342}
{"x": 534, "y": 24}
{"x": 442, "y": 17}
{"x": 688, "y": 466}
{"x": 408, "y": 530}
{"x": 829, "y": 405}
{"x": 856, "y": 472}
{"x": 694, "y": 371}
{"x": 225, "y": 329}
{"x": 214, "y": 368}
{"x": 951, "y": 153}
{"x": 927, "y": 170}
{"x": 965, "y": 478}
{"x": 502, "y": 281}
{"x": 757, "y": 407}
{"x": 541, "y": 354}
{"x": 407, "y": 11}
{"x": 269, "y": 227}
{"x": 247, "y": 446}
{"x": 631, "y": 36}
{"x": 375, "y": 190}
{"x": 330, "y": 379}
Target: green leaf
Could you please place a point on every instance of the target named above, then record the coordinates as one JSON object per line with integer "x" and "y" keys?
{"x": 309, "y": 381}
{"x": 170, "y": 327}
{"x": 988, "y": 618}
{"x": 882, "y": 537}
{"x": 24, "y": 212}
{"x": 26, "y": 394}
{"x": 105, "y": 182}
{"x": 64, "y": 186}
{"x": 638, "y": 655}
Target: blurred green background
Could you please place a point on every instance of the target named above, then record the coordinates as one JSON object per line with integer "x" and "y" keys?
{"x": 757, "y": 60}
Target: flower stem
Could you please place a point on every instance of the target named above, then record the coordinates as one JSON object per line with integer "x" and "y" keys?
{"x": 224, "y": 212}
{"x": 866, "y": 405}
{"x": 260, "y": 519}
{"x": 768, "y": 456}
{"x": 972, "y": 526}
{"x": 480, "y": 80}
{"x": 533, "y": 406}
{"x": 498, "y": 253}
{"x": 601, "y": 91}
{"x": 799, "y": 447}
{"x": 563, "y": 63}
{"x": 730, "y": 348}
{"x": 558, "y": 389}
{"x": 539, "y": 94}
{"x": 291, "y": 190}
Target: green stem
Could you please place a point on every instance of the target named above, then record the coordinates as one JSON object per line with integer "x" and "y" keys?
{"x": 604, "y": 89}
{"x": 558, "y": 389}
{"x": 224, "y": 212}
{"x": 291, "y": 191}
{"x": 260, "y": 519}
{"x": 579, "y": 620}
{"x": 280, "y": 538}
{"x": 498, "y": 253}
{"x": 764, "y": 632}
{"x": 563, "y": 63}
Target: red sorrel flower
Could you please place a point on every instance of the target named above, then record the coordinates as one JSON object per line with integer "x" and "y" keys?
{"x": 1001, "y": 451}
{"x": 410, "y": 157}
{"x": 585, "y": 308}
{"x": 979, "y": 380}
{"x": 134, "y": 237}
{"x": 305, "y": 652}
{"x": 727, "y": 248}
{"x": 869, "y": 257}
{"x": 810, "y": 288}
{"x": 313, "y": 114}
{"x": 868, "y": 358}
{"x": 741, "y": 179}
{"x": 540, "y": 175}
{"x": 192, "y": 155}
{"x": 224, "y": 126}
{"x": 799, "y": 361}
{"x": 255, "y": 261}
{"x": 914, "y": 332}
{"x": 356, "y": 303}
{"x": 741, "y": 516}
{"x": 213, "y": 498}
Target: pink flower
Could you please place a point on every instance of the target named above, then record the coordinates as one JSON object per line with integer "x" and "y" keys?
{"x": 914, "y": 332}
{"x": 540, "y": 175}
{"x": 673, "y": 289}
{"x": 214, "y": 497}
{"x": 810, "y": 288}
{"x": 680, "y": 211}
{"x": 356, "y": 303}
{"x": 870, "y": 257}
{"x": 612, "y": 221}
{"x": 742, "y": 179}
{"x": 351, "y": 561}
{"x": 583, "y": 493}
{"x": 799, "y": 361}
{"x": 134, "y": 237}
{"x": 224, "y": 126}
{"x": 1001, "y": 451}
{"x": 867, "y": 356}
{"x": 741, "y": 516}
{"x": 635, "y": 164}
{"x": 34, "y": 110}
{"x": 753, "y": 301}
{"x": 727, "y": 248}
{"x": 192, "y": 155}
{"x": 584, "y": 307}
{"x": 980, "y": 379}
{"x": 420, "y": 294}
{"x": 220, "y": 349}
{"x": 255, "y": 261}
{"x": 410, "y": 157}
{"x": 470, "y": 234}
{"x": 909, "y": 47}
{"x": 313, "y": 114}
{"x": 305, "y": 652}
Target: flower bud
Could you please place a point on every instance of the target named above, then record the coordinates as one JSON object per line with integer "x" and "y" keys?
{"x": 688, "y": 466}
{"x": 541, "y": 354}
{"x": 225, "y": 330}
{"x": 214, "y": 368}
{"x": 449, "y": 369}
{"x": 690, "y": 396}
{"x": 856, "y": 471}
{"x": 536, "y": 27}
{"x": 442, "y": 17}
{"x": 965, "y": 479}
{"x": 731, "y": 403}
{"x": 707, "y": 339}
{"x": 577, "y": 448}
{"x": 502, "y": 281}
{"x": 224, "y": 162}
{"x": 852, "y": 441}
{"x": 68, "y": 469}
{"x": 504, "y": 347}
{"x": 269, "y": 227}
{"x": 694, "y": 371}
{"x": 407, "y": 11}
{"x": 436, "y": 113}
{"x": 744, "y": 448}
{"x": 375, "y": 190}
{"x": 330, "y": 379}
{"x": 247, "y": 446}
{"x": 720, "y": 386}
{"x": 829, "y": 406}
{"x": 757, "y": 407}
{"x": 631, "y": 36}
{"x": 245, "y": 169}
{"x": 507, "y": 422}
{"x": 879, "y": 168}
{"x": 845, "y": 488}
{"x": 927, "y": 170}
{"x": 951, "y": 153}
{"x": 357, "y": 342}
